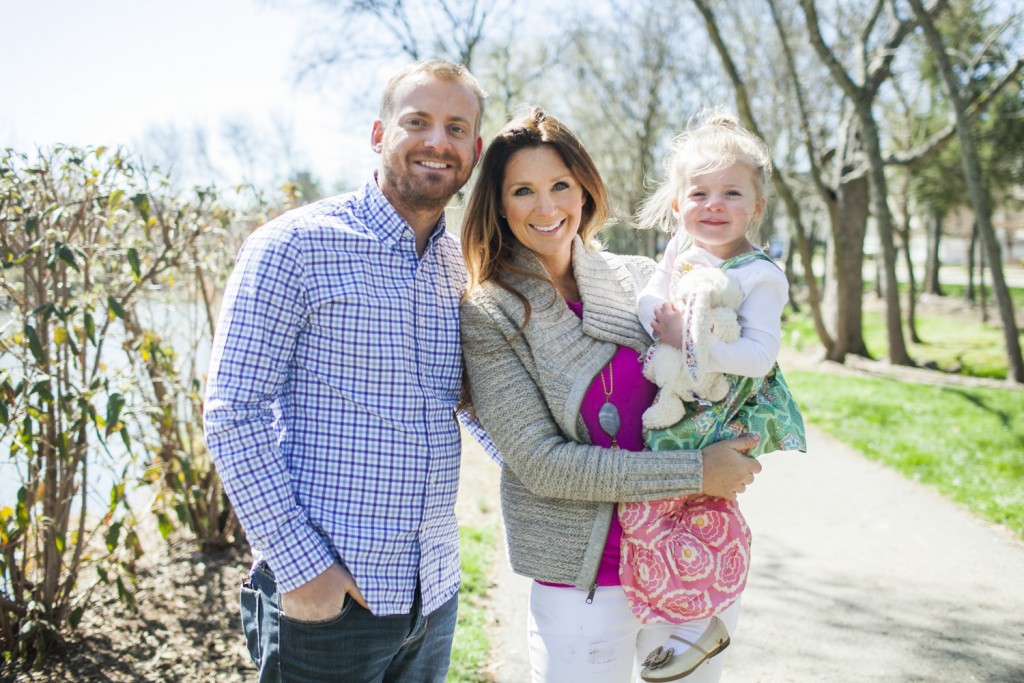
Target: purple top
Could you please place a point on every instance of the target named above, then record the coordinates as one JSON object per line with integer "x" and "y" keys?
{"x": 632, "y": 394}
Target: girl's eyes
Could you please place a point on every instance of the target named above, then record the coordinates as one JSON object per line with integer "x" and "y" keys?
{"x": 561, "y": 185}
{"x": 521, "y": 192}
{"x": 700, "y": 194}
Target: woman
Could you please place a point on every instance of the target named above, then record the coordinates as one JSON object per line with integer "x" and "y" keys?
{"x": 551, "y": 342}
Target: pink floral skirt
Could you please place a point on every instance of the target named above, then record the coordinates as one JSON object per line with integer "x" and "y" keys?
{"x": 683, "y": 558}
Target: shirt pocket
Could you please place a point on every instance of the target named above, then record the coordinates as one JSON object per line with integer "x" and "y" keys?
{"x": 345, "y": 343}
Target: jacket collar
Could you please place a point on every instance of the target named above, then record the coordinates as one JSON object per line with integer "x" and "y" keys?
{"x": 606, "y": 285}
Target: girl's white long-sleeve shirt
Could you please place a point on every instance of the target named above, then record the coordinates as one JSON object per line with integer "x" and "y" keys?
{"x": 765, "y": 292}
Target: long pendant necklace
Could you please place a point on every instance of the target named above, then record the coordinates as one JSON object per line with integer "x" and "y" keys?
{"x": 608, "y": 416}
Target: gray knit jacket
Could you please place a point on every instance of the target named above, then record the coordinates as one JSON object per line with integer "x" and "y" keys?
{"x": 556, "y": 489}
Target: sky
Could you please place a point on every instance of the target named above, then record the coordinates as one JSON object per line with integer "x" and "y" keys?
{"x": 108, "y": 72}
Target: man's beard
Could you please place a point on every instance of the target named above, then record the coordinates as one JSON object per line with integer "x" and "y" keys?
{"x": 429, "y": 191}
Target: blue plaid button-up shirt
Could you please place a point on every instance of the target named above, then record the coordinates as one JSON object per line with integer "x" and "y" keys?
{"x": 329, "y": 413}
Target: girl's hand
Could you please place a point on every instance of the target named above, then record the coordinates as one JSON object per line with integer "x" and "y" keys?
{"x": 668, "y": 325}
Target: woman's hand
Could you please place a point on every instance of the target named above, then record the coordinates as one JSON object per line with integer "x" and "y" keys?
{"x": 668, "y": 324}
{"x": 727, "y": 471}
{"x": 323, "y": 597}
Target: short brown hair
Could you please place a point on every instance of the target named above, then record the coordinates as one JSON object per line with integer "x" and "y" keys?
{"x": 437, "y": 68}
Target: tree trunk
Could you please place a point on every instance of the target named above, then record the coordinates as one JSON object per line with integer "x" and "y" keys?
{"x": 931, "y": 284}
{"x": 861, "y": 96}
{"x": 982, "y": 292}
{"x": 877, "y": 284}
{"x": 979, "y": 196}
{"x": 844, "y": 284}
{"x": 908, "y": 263}
{"x": 1008, "y": 236}
{"x": 790, "y": 275}
{"x": 883, "y": 223}
{"x": 972, "y": 249}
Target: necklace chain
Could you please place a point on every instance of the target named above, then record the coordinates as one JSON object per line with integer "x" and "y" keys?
{"x": 610, "y": 387}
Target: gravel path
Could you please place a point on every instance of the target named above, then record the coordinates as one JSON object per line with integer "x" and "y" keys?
{"x": 858, "y": 574}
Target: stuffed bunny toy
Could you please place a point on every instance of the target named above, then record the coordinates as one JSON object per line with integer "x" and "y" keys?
{"x": 709, "y": 300}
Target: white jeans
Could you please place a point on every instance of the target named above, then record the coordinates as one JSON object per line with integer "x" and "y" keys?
{"x": 603, "y": 642}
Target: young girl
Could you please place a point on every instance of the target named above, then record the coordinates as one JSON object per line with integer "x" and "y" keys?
{"x": 685, "y": 560}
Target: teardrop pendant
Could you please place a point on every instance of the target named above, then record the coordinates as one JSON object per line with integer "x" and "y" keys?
{"x": 609, "y": 420}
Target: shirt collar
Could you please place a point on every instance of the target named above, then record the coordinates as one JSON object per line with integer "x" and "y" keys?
{"x": 389, "y": 226}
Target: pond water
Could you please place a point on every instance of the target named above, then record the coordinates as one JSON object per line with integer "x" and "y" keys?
{"x": 181, "y": 323}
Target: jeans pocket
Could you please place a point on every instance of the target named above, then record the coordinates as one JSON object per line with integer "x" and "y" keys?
{"x": 251, "y": 607}
{"x": 346, "y": 606}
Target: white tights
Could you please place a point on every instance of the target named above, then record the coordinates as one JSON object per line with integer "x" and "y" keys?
{"x": 603, "y": 642}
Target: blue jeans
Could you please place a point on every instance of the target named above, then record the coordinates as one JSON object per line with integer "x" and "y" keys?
{"x": 354, "y": 646}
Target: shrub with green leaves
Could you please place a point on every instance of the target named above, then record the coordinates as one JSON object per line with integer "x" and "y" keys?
{"x": 84, "y": 236}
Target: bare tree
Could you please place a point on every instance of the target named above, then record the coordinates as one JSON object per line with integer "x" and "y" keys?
{"x": 873, "y": 69}
{"x": 903, "y": 229}
{"x": 926, "y": 137}
{"x": 635, "y": 81}
{"x": 904, "y": 127}
{"x": 351, "y": 32}
{"x": 844, "y": 289}
{"x": 780, "y": 181}
{"x": 832, "y": 154}
{"x": 979, "y": 195}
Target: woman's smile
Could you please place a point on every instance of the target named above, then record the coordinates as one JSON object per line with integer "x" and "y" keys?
{"x": 542, "y": 200}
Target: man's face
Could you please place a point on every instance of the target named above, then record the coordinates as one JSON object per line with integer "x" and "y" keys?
{"x": 430, "y": 144}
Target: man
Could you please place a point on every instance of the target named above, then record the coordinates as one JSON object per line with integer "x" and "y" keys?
{"x": 330, "y": 408}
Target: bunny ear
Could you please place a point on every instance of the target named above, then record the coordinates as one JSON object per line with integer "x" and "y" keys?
{"x": 696, "y": 331}
{"x": 679, "y": 271}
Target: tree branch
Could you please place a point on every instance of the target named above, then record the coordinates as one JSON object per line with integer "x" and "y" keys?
{"x": 936, "y": 142}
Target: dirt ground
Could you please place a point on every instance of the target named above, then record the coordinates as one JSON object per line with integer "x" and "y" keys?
{"x": 186, "y": 629}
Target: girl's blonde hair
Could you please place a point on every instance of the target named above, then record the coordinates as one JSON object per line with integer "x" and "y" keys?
{"x": 712, "y": 141}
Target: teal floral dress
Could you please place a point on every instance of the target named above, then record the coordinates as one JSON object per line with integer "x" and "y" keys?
{"x": 688, "y": 558}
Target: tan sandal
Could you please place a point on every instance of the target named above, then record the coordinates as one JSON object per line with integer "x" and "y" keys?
{"x": 663, "y": 664}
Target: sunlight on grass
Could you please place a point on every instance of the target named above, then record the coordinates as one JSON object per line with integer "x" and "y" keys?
{"x": 471, "y": 647}
{"x": 967, "y": 442}
{"x": 960, "y": 292}
{"x": 954, "y": 344}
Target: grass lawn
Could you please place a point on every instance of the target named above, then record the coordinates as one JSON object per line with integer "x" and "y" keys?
{"x": 952, "y": 346}
{"x": 960, "y": 291}
{"x": 956, "y": 344}
{"x": 471, "y": 647}
{"x": 967, "y": 442}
